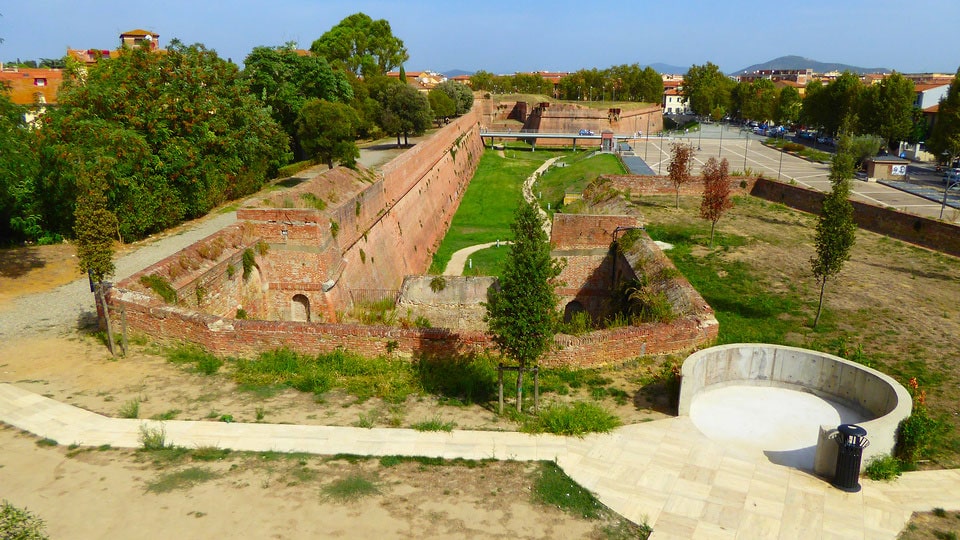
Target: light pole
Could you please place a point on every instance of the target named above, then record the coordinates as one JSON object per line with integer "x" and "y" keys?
{"x": 646, "y": 143}
{"x": 699, "y": 134}
{"x": 950, "y": 185}
{"x": 659, "y": 163}
{"x": 746, "y": 141}
{"x": 780, "y": 168}
{"x": 720, "y": 151}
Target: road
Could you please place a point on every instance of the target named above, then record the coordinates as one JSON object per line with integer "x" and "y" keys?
{"x": 746, "y": 149}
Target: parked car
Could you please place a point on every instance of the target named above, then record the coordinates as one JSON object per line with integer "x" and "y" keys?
{"x": 586, "y": 132}
{"x": 951, "y": 177}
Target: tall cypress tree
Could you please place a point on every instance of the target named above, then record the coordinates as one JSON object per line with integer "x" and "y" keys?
{"x": 522, "y": 315}
{"x": 836, "y": 230}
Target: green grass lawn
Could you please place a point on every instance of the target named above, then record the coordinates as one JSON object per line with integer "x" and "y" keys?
{"x": 486, "y": 210}
{"x": 487, "y": 262}
{"x": 580, "y": 171}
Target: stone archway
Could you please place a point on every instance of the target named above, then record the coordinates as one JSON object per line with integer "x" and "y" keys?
{"x": 572, "y": 309}
{"x": 300, "y": 308}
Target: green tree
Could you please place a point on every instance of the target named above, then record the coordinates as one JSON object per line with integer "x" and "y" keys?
{"x": 19, "y": 166}
{"x": 362, "y": 45}
{"x": 836, "y": 230}
{"x": 181, "y": 129}
{"x": 886, "y": 109}
{"x": 788, "y": 106}
{"x": 759, "y": 100}
{"x": 716, "y": 192}
{"x": 328, "y": 130}
{"x": 442, "y": 106}
{"x": 707, "y": 88}
{"x": 94, "y": 224}
{"x": 944, "y": 139}
{"x": 482, "y": 80}
{"x": 460, "y": 94}
{"x": 829, "y": 106}
{"x": 284, "y": 80}
{"x": 405, "y": 112}
{"x": 522, "y": 314}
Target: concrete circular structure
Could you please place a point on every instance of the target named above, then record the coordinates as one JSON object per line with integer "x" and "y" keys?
{"x": 760, "y": 396}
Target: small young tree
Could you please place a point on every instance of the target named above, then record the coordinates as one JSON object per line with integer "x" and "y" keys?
{"x": 681, "y": 163}
{"x": 443, "y": 107}
{"x": 522, "y": 314}
{"x": 94, "y": 226}
{"x": 836, "y": 230}
{"x": 716, "y": 192}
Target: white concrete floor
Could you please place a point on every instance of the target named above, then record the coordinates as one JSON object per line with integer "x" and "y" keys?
{"x": 781, "y": 423}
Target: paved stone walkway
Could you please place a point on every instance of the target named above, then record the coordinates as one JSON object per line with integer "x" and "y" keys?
{"x": 664, "y": 473}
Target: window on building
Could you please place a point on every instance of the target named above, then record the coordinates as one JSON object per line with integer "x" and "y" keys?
{"x": 39, "y": 81}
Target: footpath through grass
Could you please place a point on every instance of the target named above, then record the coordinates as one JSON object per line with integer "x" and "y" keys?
{"x": 580, "y": 170}
{"x": 486, "y": 210}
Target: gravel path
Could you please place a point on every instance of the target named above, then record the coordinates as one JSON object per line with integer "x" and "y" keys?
{"x": 71, "y": 306}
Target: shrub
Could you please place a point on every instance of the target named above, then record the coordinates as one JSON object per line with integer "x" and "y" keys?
{"x": 262, "y": 248}
{"x": 241, "y": 313}
{"x": 130, "y": 409}
{"x": 313, "y": 201}
{"x": 577, "y": 419}
{"x": 249, "y": 259}
{"x": 153, "y": 438}
{"x": 883, "y": 467}
{"x": 20, "y": 524}
{"x": 334, "y": 228}
{"x": 919, "y": 434}
{"x": 793, "y": 147}
{"x": 434, "y": 424}
{"x": 160, "y": 286}
{"x": 438, "y": 284}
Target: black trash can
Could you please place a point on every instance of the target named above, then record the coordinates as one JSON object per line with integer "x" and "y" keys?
{"x": 852, "y": 439}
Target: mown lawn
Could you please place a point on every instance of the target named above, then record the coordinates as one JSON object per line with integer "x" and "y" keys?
{"x": 580, "y": 170}
{"x": 486, "y": 210}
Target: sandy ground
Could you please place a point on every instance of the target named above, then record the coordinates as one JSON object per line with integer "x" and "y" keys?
{"x": 90, "y": 493}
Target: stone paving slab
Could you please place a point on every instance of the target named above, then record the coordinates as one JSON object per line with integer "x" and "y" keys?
{"x": 665, "y": 473}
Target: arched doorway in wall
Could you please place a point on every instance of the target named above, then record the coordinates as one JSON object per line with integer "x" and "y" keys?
{"x": 572, "y": 309}
{"x": 300, "y": 308}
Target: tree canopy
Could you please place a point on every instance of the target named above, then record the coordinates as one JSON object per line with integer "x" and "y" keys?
{"x": 328, "y": 130}
{"x": 405, "y": 112}
{"x": 707, "y": 88}
{"x": 19, "y": 165}
{"x": 944, "y": 140}
{"x": 460, "y": 94}
{"x": 180, "y": 130}
{"x": 365, "y": 46}
{"x": 284, "y": 80}
{"x": 886, "y": 109}
{"x": 716, "y": 192}
{"x": 522, "y": 314}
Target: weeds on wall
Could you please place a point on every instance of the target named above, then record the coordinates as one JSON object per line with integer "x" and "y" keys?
{"x": 161, "y": 286}
{"x": 248, "y": 260}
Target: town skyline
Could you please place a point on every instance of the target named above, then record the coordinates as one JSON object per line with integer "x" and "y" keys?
{"x": 498, "y": 36}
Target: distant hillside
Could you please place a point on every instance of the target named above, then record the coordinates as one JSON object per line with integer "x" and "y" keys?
{"x": 799, "y": 62}
{"x": 456, "y": 73}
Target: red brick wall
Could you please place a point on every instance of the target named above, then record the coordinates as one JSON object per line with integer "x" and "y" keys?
{"x": 661, "y": 185}
{"x": 571, "y": 231}
{"x": 927, "y": 232}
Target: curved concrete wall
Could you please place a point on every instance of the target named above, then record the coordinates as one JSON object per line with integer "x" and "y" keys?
{"x": 885, "y": 401}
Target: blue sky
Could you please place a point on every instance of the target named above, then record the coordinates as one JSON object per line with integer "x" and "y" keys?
{"x": 521, "y": 35}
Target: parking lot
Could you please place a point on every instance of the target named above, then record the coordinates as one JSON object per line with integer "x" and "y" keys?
{"x": 745, "y": 150}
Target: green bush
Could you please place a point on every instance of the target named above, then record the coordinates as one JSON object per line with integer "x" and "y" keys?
{"x": 793, "y": 147}
{"x": 248, "y": 259}
{"x": 20, "y": 524}
{"x": 577, "y": 419}
{"x": 294, "y": 168}
{"x": 884, "y": 467}
{"x": 919, "y": 435}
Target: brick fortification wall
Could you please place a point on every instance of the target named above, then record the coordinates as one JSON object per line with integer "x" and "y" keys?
{"x": 927, "y": 232}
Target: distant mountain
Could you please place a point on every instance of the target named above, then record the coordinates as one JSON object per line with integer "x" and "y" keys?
{"x": 668, "y": 69}
{"x": 799, "y": 62}
{"x": 456, "y": 73}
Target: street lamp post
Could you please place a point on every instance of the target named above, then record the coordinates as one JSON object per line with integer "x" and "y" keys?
{"x": 699, "y": 134}
{"x": 746, "y": 141}
{"x": 646, "y": 143}
{"x": 780, "y": 168}
{"x": 659, "y": 163}
{"x": 947, "y": 188}
{"x": 720, "y": 151}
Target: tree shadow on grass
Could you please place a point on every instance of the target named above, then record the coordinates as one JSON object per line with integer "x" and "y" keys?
{"x": 468, "y": 378}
